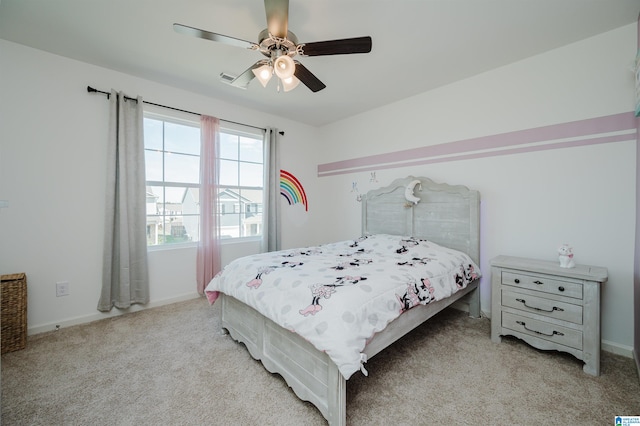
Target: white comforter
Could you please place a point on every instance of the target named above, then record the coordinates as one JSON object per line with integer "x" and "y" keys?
{"x": 337, "y": 296}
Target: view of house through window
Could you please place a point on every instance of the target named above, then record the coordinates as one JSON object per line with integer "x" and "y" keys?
{"x": 172, "y": 156}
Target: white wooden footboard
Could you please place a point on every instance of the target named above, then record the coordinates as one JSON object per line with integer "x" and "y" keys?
{"x": 309, "y": 372}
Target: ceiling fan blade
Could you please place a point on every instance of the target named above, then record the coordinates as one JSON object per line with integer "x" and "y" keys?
{"x": 242, "y": 81}
{"x": 343, "y": 46}
{"x": 307, "y": 78}
{"x": 277, "y": 17}
{"x": 207, "y": 35}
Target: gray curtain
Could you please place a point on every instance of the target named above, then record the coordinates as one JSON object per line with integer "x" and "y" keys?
{"x": 125, "y": 276}
{"x": 271, "y": 232}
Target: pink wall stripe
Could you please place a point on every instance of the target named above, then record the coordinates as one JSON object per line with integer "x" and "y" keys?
{"x": 584, "y": 132}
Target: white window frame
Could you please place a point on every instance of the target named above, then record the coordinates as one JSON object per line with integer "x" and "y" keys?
{"x": 225, "y": 127}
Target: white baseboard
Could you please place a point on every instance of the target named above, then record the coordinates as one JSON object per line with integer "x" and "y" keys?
{"x": 617, "y": 348}
{"x": 103, "y": 315}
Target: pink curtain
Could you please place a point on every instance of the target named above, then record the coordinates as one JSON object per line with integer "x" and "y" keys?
{"x": 208, "y": 262}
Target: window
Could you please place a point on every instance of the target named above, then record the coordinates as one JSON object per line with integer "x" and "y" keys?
{"x": 241, "y": 185}
{"x": 172, "y": 156}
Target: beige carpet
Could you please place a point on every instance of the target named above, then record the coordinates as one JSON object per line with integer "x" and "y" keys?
{"x": 171, "y": 366}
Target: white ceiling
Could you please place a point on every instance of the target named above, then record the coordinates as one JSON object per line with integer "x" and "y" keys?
{"x": 418, "y": 45}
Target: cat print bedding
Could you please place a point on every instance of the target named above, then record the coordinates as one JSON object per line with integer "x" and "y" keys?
{"x": 337, "y": 296}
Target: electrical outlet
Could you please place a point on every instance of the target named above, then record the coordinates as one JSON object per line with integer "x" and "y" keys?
{"x": 62, "y": 288}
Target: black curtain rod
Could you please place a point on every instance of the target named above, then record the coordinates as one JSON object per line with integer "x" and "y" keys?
{"x": 92, "y": 90}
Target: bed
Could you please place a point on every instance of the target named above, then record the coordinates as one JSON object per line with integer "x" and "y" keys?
{"x": 409, "y": 216}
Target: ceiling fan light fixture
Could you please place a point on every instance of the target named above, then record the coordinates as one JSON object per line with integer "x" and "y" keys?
{"x": 289, "y": 83}
{"x": 284, "y": 66}
{"x": 263, "y": 74}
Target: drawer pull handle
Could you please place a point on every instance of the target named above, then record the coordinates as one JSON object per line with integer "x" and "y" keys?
{"x": 555, "y": 308}
{"x": 522, "y": 323}
{"x": 517, "y": 281}
{"x": 560, "y": 288}
{"x": 538, "y": 282}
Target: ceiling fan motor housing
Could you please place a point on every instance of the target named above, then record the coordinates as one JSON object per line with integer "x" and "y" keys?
{"x": 272, "y": 47}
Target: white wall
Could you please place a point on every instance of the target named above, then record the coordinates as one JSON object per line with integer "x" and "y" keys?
{"x": 531, "y": 202}
{"x": 52, "y": 171}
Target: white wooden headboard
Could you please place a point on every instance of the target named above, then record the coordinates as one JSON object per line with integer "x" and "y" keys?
{"x": 448, "y": 215}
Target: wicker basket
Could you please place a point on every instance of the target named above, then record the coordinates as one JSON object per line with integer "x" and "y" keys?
{"x": 13, "y": 313}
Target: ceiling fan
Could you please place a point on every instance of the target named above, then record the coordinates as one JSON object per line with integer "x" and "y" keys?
{"x": 280, "y": 46}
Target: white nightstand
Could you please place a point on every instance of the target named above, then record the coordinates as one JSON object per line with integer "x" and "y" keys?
{"x": 548, "y": 307}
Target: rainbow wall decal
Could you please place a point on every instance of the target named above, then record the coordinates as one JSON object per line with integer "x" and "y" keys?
{"x": 292, "y": 190}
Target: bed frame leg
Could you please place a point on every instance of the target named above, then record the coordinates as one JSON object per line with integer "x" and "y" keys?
{"x": 337, "y": 402}
{"x": 474, "y": 303}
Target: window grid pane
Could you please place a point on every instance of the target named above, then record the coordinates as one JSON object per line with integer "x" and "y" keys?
{"x": 251, "y": 150}
{"x": 229, "y": 146}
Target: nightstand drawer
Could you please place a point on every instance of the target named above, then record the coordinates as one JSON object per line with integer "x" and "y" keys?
{"x": 544, "y": 330}
{"x": 542, "y": 283}
{"x": 542, "y": 306}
